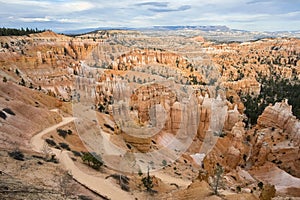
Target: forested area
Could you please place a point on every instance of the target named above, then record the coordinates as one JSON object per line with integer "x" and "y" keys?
{"x": 273, "y": 89}
{"x": 18, "y": 32}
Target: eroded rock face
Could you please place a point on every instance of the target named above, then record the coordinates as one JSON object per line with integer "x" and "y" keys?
{"x": 54, "y": 62}
{"x": 257, "y": 57}
{"x": 176, "y": 114}
{"x": 205, "y": 117}
{"x": 233, "y": 157}
{"x": 280, "y": 116}
{"x": 147, "y": 57}
{"x": 246, "y": 86}
{"x": 49, "y": 60}
{"x": 278, "y": 138}
{"x": 233, "y": 116}
{"x": 46, "y": 60}
{"x": 155, "y": 105}
{"x": 145, "y": 97}
{"x": 275, "y": 139}
{"x": 141, "y": 144}
{"x": 267, "y": 144}
{"x": 229, "y": 151}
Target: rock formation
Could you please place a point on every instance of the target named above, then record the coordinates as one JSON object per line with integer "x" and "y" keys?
{"x": 154, "y": 98}
{"x": 280, "y": 116}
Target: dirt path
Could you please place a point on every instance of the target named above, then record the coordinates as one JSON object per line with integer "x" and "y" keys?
{"x": 166, "y": 178}
{"x": 99, "y": 185}
{"x": 37, "y": 142}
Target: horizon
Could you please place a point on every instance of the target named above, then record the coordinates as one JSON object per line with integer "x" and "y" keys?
{"x": 66, "y": 15}
{"x": 89, "y": 30}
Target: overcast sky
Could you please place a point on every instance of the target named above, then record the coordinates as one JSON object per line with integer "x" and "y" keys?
{"x": 61, "y": 15}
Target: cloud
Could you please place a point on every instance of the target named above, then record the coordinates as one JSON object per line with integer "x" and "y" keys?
{"x": 185, "y": 7}
{"x": 77, "y": 14}
{"x": 34, "y": 19}
{"x": 161, "y": 7}
{"x": 51, "y": 6}
{"x": 181, "y": 8}
{"x": 154, "y": 4}
{"x": 257, "y": 1}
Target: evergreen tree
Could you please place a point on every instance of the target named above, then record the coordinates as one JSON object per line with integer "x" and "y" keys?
{"x": 92, "y": 159}
{"x": 18, "y": 32}
{"x": 147, "y": 182}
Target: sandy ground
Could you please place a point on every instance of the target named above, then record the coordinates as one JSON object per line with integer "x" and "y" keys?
{"x": 275, "y": 176}
{"x": 96, "y": 184}
{"x": 166, "y": 178}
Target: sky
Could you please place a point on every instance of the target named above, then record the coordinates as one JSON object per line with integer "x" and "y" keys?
{"x": 64, "y": 15}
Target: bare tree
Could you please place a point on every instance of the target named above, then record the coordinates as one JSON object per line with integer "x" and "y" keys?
{"x": 46, "y": 150}
{"x": 217, "y": 178}
{"x": 66, "y": 185}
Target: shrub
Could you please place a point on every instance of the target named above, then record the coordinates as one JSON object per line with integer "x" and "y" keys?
{"x": 83, "y": 197}
{"x": 64, "y": 146}
{"x": 219, "y": 134}
{"x": 125, "y": 187}
{"x": 57, "y": 147}
{"x": 8, "y": 111}
{"x": 53, "y": 159}
{"x": 76, "y": 153}
{"x": 245, "y": 157}
{"x": 17, "y": 72}
{"x": 50, "y": 142}
{"x": 279, "y": 162}
{"x": 260, "y": 185}
{"x": 22, "y": 82}
{"x": 109, "y": 127}
{"x": 39, "y": 163}
{"x": 62, "y": 133}
{"x": 248, "y": 138}
{"x": 2, "y": 115}
{"x": 140, "y": 173}
{"x": 101, "y": 108}
{"x": 17, "y": 154}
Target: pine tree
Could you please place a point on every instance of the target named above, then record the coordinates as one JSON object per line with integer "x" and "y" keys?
{"x": 147, "y": 182}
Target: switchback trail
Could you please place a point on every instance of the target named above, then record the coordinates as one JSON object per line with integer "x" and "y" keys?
{"x": 97, "y": 184}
